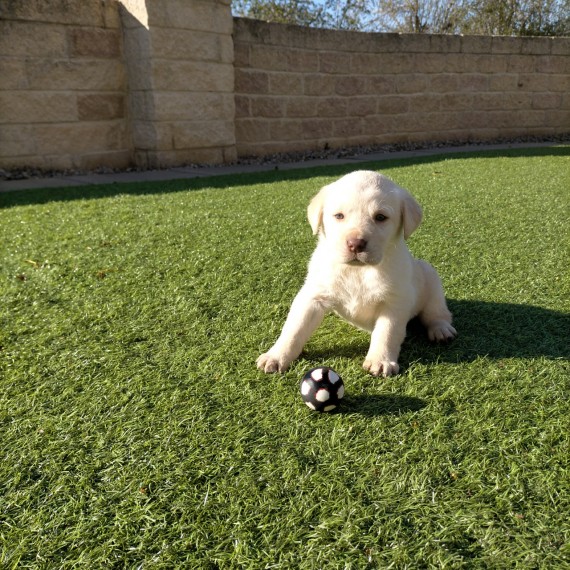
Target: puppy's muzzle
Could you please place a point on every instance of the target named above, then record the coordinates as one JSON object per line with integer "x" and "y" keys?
{"x": 356, "y": 245}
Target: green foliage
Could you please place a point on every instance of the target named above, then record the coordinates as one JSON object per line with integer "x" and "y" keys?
{"x": 137, "y": 432}
{"x": 491, "y": 17}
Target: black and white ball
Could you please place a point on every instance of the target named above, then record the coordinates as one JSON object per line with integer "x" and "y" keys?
{"x": 322, "y": 389}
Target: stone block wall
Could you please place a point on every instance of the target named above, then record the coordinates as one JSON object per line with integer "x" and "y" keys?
{"x": 152, "y": 83}
{"x": 62, "y": 85}
{"x": 179, "y": 59}
{"x": 90, "y": 83}
{"x": 300, "y": 88}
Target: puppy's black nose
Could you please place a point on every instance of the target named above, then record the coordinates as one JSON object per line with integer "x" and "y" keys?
{"x": 356, "y": 245}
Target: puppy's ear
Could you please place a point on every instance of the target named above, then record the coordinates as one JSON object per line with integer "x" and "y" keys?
{"x": 315, "y": 211}
{"x": 411, "y": 214}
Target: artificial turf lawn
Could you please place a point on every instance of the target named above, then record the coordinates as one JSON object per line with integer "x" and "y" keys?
{"x": 136, "y": 431}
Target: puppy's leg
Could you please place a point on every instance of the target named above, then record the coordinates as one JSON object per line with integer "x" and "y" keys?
{"x": 387, "y": 337}
{"x": 435, "y": 315}
{"x": 305, "y": 315}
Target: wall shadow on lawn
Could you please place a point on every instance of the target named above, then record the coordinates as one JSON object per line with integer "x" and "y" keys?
{"x": 228, "y": 181}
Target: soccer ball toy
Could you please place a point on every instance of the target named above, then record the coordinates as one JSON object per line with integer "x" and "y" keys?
{"x": 322, "y": 389}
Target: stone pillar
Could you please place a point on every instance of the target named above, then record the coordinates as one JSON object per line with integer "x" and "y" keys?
{"x": 179, "y": 58}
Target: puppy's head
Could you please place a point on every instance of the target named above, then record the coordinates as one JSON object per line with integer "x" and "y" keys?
{"x": 361, "y": 214}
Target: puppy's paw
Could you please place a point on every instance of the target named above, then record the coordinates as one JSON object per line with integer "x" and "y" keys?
{"x": 270, "y": 363}
{"x": 441, "y": 331}
{"x": 381, "y": 367}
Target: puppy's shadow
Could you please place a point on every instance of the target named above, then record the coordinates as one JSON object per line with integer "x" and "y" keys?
{"x": 380, "y": 405}
{"x": 492, "y": 330}
{"x": 495, "y": 330}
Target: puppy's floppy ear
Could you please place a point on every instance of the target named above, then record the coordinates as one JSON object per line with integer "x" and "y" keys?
{"x": 315, "y": 211}
{"x": 411, "y": 213}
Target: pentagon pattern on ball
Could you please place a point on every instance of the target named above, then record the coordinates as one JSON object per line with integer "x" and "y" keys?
{"x": 322, "y": 389}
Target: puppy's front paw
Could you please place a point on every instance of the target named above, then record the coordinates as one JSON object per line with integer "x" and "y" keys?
{"x": 381, "y": 367}
{"x": 441, "y": 331}
{"x": 272, "y": 363}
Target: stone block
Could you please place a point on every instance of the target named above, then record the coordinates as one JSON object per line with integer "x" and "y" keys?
{"x": 533, "y": 82}
{"x": 17, "y": 140}
{"x": 334, "y": 63}
{"x": 392, "y": 104}
{"x": 362, "y": 106}
{"x": 27, "y": 107}
{"x": 443, "y": 83}
{"x": 381, "y": 85}
{"x": 13, "y": 74}
{"x": 430, "y": 62}
{"x": 559, "y": 119}
{"x": 319, "y": 84}
{"x": 241, "y": 54}
{"x": 317, "y": 128}
{"x": 77, "y": 74}
{"x": 411, "y": 83}
{"x": 397, "y": 63}
{"x": 196, "y": 76}
{"x": 269, "y": 58}
{"x": 554, "y": 64}
{"x": 184, "y": 106}
{"x": 195, "y": 15}
{"x": 100, "y": 106}
{"x": 31, "y": 39}
{"x": 288, "y": 84}
{"x": 366, "y": 63}
{"x": 252, "y": 130}
{"x": 168, "y": 43}
{"x": 561, "y": 46}
{"x": 473, "y": 82}
{"x": 536, "y": 45}
{"x": 94, "y": 42}
{"x": 456, "y": 101}
{"x": 332, "y": 107}
{"x": 286, "y": 130}
{"x": 55, "y": 11}
{"x": 80, "y": 138}
{"x": 251, "y": 82}
{"x": 521, "y": 63}
{"x": 303, "y": 61}
{"x": 483, "y": 63}
{"x": 267, "y": 107}
{"x": 424, "y": 103}
{"x": 504, "y": 44}
{"x": 476, "y": 44}
{"x": 559, "y": 83}
{"x": 351, "y": 85}
{"x": 503, "y": 82}
{"x": 344, "y": 129}
{"x": 203, "y": 134}
{"x": 108, "y": 159}
{"x": 299, "y": 107}
{"x": 243, "y": 106}
{"x": 547, "y": 101}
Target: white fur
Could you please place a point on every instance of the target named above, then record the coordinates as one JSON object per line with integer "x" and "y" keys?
{"x": 362, "y": 270}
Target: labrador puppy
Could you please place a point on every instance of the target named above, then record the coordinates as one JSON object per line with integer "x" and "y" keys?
{"x": 362, "y": 270}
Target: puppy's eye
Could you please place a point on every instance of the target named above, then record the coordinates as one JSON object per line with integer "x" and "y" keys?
{"x": 339, "y": 216}
{"x": 380, "y": 218}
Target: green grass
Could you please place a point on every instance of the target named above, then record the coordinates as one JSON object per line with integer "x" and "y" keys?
{"x": 136, "y": 431}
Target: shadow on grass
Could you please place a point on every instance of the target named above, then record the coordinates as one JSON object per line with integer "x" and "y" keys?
{"x": 380, "y": 405}
{"x": 485, "y": 329}
{"x": 45, "y": 195}
{"x": 504, "y": 330}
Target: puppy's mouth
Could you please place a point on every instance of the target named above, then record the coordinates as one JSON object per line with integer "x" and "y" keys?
{"x": 362, "y": 258}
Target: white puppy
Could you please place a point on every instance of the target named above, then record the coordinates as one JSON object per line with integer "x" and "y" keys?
{"x": 362, "y": 270}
